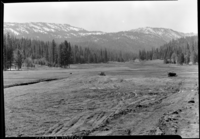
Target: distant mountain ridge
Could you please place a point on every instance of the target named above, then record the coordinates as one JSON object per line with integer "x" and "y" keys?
{"x": 132, "y": 40}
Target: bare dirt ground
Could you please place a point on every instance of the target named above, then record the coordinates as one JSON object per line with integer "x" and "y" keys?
{"x": 132, "y": 99}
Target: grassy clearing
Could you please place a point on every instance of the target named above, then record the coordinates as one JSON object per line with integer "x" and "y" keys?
{"x": 84, "y": 103}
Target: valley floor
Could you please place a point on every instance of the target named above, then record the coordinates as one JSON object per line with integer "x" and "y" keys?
{"x": 132, "y": 99}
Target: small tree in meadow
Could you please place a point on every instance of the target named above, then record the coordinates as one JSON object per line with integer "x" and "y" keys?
{"x": 18, "y": 58}
{"x": 29, "y": 62}
{"x": 180, "y": 59}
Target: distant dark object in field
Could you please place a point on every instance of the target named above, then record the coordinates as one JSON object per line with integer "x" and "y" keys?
{"x": 139, "y": 106}
{"x": 176, "y": 112}
{"x": 70, "y": 73}
{"x": 191, "y": 101}
{"x": 171, "y": 74}
{"x": 169, "y": 61}
{"x": 102, "y": 74}
{"x": 128, "y": 131}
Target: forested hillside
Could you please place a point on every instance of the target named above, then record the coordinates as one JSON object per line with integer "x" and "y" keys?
{"x": 183, "y": 50}
{"x": 28, "y": 52}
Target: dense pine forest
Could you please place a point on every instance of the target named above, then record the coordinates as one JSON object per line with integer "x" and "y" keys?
{"x": 27, "y": 52}
{"x": 180, "y": 51}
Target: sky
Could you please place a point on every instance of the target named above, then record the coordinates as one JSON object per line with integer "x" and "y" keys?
{"x": 113, "y": 16}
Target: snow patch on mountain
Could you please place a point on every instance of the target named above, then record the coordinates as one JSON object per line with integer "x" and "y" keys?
{"x": 52, "y": 26}
{"x": 47, "y": 29}
{"x": 146, "y": 30}
{"x": 40, "y": 24}
{"x": 99, "y": 33}
{"x": 63, "y": 28}
{"x": 34, "y": 26}
{"x": 160, "y": 32}
{"x": 73, "y": 34}
{"x": 21, "y": 29}
{"x": 39, "y": 30}
{"x": 73, "y": 28}
{"x": 149, "y": 30}
{"x": 91, "y": 33}
{"x": 174, "y": 35}
{"x": 13, "y": 31}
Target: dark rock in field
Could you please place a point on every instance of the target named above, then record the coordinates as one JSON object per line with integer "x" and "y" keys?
{"x": 174, "y": 119}
{"x": 128, "y": 131}
{"x": 176, "y": 112}
{"x": 180, "y": 110}
{"x": 153, "y": 93}
{"x": 139, "y": 106}
{"x": 106, "y": 129}
{"x": 70, "y": 73}
{"x": 172, "y": 74}
{"x": 102, "y": 74}
{"x": 191, "y": 101}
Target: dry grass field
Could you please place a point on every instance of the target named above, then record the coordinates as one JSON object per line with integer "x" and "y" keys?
{"x": 132, "y": 99}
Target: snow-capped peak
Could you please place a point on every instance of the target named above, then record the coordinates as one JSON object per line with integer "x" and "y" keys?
{"x": 160, "y": 32}
{"x": 150, "y": 30}
{"x": 58, "y": 30}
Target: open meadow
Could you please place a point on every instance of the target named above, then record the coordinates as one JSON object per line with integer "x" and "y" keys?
{"x": 132, "y": 99}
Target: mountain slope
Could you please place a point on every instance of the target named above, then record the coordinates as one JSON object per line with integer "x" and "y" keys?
{"x": 132, "y": 40}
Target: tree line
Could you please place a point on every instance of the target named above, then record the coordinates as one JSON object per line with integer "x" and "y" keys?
{"x": 20, "y": 52}
{"x": 181, "y": 51}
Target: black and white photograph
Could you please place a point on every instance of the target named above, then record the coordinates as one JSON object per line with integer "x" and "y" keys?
{"x": 101, "y": 68}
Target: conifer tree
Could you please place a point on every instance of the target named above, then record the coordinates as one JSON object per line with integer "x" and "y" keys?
{"x": 18, "y": 58}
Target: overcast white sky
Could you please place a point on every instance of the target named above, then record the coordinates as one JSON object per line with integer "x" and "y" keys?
{"x": 105, "y": 16}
